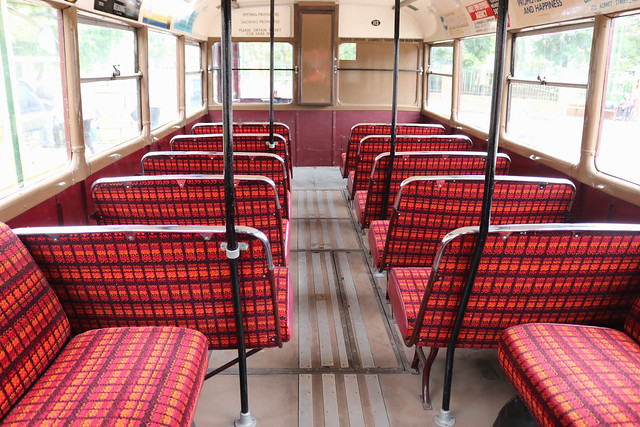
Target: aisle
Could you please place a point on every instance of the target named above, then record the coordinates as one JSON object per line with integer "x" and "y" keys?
{"x": 345, "y": 364}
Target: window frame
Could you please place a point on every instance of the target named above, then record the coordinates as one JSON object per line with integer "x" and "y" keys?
{"x": 212, "y": 70}
{"x": 429, "y": 72}
{"x": 200, "y": 71}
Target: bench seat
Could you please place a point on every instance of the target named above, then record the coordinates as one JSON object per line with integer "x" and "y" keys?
{"x": 144, "y": 376}
{"x": 417, "y": 163}
{"x": 370, "y": 147}
{"x": 586, "y": 274}
{"x": 574, "y": 375}
{"x": 428, "y": 207}
{"x": 361, "y": 130}
{"x": 140, "y": 375}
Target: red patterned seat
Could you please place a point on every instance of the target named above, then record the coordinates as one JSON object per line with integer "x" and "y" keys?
{"x": 427, "y": 208}
{"x": 137, "y": 375}
{"x": 192, "y": 200}
{"x": 368, "y": 204}
{"x": 361, "y": 130}
{"x": 371, "y": 146}
{"x": 250, "y": 127}
{"x": 212, "y": 163}
{"x": 574, "y": 375}
{"x": 133, "y": 275}
{"x": 561, "y": 273}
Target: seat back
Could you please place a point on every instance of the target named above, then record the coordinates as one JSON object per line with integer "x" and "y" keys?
{"x": 244, "y": 142}
{"x": 632, "y": 324}
{"x": 560, "y": 273}
{"x": 190, "y": 200}
{"x": 421, "y": 163}
{"x": 132, "y": 275}
{"x": 361, "y": 130}
{"x": 249, "y": 127}
{"x": 33, "y": 326}
{"x": 427, "y": 208}
{"x": 212, "y": 163}
{"x": 371, "y": 146}
{"x": 246, "y": 127}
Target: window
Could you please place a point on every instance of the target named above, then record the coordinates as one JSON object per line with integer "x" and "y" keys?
{"x": 618, "y": 148}
{"x": 365, "y": 76}
{"x": 474, "y": 102}
{"x": 163, "y": 78}
{"x": 250, "y": 77}
{"x": 32, "y": 119}
{"x": 109, "y": 85}
{"x": 439, "y": 79}
{"x": 193, "y": 77}
{"x": 548, "y": 89}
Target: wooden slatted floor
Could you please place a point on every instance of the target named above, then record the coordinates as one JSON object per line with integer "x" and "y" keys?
{"x": 345, "y": 364}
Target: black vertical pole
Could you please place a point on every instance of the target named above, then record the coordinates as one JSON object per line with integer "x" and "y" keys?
{"x": 394, "y": 108}
{"x": 271, "y": 66}
{"x": 444, "y": 418}
{"x": 233, "y": 251}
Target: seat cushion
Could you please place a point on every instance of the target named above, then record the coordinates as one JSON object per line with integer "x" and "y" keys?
{"x": 116, "y": 376}
{"x": 33, "y": 326}
{"x": 343, "y": 163}
{"x": 359, "y": 202}
{"x": 285, "y": 301}
{"x": 286, "y": 238}
{"x": 377, "y": 239}
{"x": 406, "y": 287}
{"x": 350, "y": 182}
{"x": 574, "y": 375}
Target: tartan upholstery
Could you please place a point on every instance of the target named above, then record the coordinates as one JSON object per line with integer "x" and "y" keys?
{"x": 359, "y": 204}
{"x": 361, "y": 130}
{"x": 212, "y": 163}
{"x": 192, "y": 200}
{"x": 150, "y": 376}
{"x": 242, "y": 142}
{"x": 428, "y": 208}
{"x": 125, "y": 275}
{"x": 371, "y": 146}
{"x": 117, "y": 376}
{"x": 560, "y": 273}
{"x": 420, "y": 163}
{"x": 574, "y": 375}
{"x": 632, "y": 324}
{"x": 33, "y": 327}
{"x": 249, "y": 127}
{"x": 377, "y": 237}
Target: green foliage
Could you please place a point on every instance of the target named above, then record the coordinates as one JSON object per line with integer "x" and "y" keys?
{"x": 478, "y": 52}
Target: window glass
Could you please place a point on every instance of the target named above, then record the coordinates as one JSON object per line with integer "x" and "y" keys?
{"x": 32, "y": 118}
{"x": 547, "y": 97}
{"x": 110, "y": 106}
{"x": 163, "y": 78}
{"x": 193, "y": 78}
{"x": 348, "y": 52}
{"x": 250, "y": 76}
{"x": 474, "y": 103}
{"x": 439, "y": 80}
{"x": 367, "y": 77}
{"x": 618, "y": 148}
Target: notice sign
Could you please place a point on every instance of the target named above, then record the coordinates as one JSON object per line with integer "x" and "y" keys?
{"x": 126, "y": 8}
{"x": 256, "y": 21}
{"x": 480, "y": 10}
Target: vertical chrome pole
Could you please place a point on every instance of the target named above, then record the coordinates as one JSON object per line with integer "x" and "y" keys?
{"x": 233, "y": 251}
{"x": 271, "y": 67}
{"x": 445, "y": 418}
{"x": 394, "y": 109}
